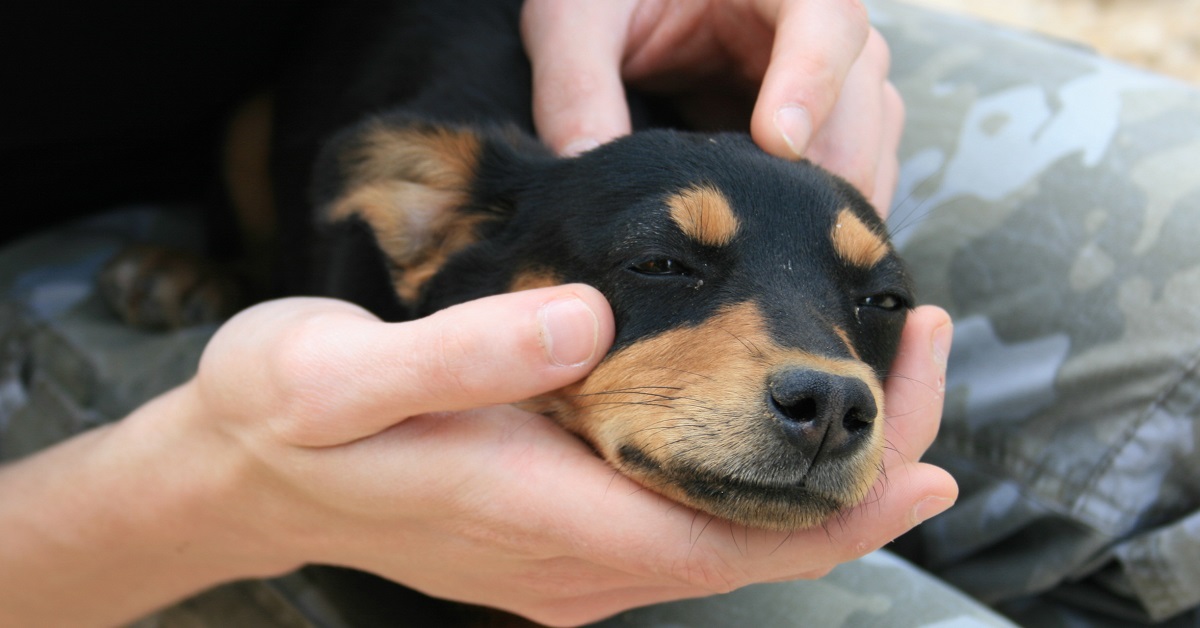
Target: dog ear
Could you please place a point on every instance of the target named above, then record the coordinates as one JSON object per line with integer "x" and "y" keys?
{"x": 419, "y": 188}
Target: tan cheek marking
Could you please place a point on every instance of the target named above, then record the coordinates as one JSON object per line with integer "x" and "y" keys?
{"x": 645, "y": 392}
{"x": 704, "y": 214}
{"x": 855, "y": 242}
{"x": 716, "y": 370}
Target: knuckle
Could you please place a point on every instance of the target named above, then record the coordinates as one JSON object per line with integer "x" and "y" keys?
{"x": 301, "y": 347}
{"x": 877, "y": 52}
{"x": 858, "y": 168}
{"x": 857, "y": 11}
{"x": 855, "y": 18}
{"x": 298, "y": 381}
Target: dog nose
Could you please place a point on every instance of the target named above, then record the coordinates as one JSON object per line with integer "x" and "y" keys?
{"x": 822, "y": 414}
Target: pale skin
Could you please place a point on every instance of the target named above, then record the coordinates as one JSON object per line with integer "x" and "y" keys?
{"x": 810, "y": 75}
{"x": 315, "y": 433}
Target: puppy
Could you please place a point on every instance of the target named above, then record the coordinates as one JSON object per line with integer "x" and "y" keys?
{"x": 758, "y": 301}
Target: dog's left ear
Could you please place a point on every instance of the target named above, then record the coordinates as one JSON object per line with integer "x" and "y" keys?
{"x": 419, "y": 187}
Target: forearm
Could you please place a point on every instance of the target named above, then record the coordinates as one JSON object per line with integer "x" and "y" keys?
{"x": 119, "y": 521}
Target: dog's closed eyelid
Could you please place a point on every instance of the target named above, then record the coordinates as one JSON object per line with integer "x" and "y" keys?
{"x": 661, "y": 266}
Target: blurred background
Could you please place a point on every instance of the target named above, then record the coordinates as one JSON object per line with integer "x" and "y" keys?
{"x": 1162, "y": 35}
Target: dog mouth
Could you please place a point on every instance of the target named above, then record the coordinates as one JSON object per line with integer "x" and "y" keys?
{"x": 777, "y": 495}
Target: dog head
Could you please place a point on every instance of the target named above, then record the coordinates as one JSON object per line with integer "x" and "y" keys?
{"x": 758, "y": 301}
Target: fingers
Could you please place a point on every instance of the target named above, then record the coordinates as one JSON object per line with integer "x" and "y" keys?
{"x": 826, "y": 97}
{"x": 341, "y": 375}
{"x": 916, "y": 386}
{"x": 816, "y": 44}
{"x": 575, "y": 50}
{"x": 860, "y": 137}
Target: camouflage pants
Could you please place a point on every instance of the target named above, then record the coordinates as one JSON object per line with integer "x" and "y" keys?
{"x": 1051, "y": 202}
{"x": 1048, "y": 200}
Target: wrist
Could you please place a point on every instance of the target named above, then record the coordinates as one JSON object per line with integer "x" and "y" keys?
{"x": 124, "y": 519}
{"x": 202, "y": 493}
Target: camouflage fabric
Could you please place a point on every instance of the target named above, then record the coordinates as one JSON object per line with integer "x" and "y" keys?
{"x": 1050, "y": 201}
{"x": 879, "y": 589}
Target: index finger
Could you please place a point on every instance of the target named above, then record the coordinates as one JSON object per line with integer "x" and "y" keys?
{"x": 575, "y": 51}
{"x": 816, "y": 44}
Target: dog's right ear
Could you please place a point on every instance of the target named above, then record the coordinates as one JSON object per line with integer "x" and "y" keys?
{"x": 416, "y": 186}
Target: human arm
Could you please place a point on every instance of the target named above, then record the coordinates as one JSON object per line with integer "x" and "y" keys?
{"x": 314, "y": 433}
{"x": 805, "y": 77}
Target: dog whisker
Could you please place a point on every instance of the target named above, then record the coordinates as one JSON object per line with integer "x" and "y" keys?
{"x": 786, "y": 537}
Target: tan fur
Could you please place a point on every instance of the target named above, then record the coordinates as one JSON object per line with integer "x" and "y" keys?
{"x": 692, "y": 398}
{"x": 704, "y": 214}
{"x": 855, "y": 242}
{"x": 406, "y": 184}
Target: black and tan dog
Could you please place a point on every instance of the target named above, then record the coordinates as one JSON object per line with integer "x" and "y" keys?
{"x": 758, "y": 302}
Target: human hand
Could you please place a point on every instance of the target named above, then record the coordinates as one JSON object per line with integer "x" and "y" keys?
{"x": 364, "y": 444}
{"x": 814, "y": 71}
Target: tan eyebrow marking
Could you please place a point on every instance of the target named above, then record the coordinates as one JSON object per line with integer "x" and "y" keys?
{"x": 855, "y": 242}
{"x": 703, "y": 213}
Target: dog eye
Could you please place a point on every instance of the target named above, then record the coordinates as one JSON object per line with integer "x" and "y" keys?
{"x": 885, "y": 302}
{"x": 662, "y": 266}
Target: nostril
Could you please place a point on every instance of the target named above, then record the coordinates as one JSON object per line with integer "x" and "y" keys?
{"x": 803, "y": 410}
{"x": 858, "y": 413}
{"x": 822, "y": 411}
{"x": 859, "y": 418}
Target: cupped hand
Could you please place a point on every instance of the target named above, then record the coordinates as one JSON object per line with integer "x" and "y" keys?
{"x": 387, "y": 448}
{"x": 807, "y": 78}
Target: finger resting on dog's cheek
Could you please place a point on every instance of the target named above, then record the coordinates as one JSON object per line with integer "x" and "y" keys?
{"x": 370, "y": 375}
{"x": 915, "y": 388}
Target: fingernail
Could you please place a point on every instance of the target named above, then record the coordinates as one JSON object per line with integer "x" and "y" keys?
{"x": 795, "y": 125}
{"x": 579, "y": 146}
{"x": 570, "y": 331}
{"x": 943, "y": 338}
{"x": 929, "y": 508}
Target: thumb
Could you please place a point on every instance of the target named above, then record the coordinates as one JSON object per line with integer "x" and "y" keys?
{"x": 349, "y": 376}
{"x": 575, "y": 50}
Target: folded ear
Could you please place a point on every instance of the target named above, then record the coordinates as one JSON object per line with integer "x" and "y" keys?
{"x": 416, "y": 186}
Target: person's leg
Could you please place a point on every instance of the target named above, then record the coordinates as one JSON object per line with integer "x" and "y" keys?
{"x": 876, "y": 590}
{"x": 1050, "y": 200}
